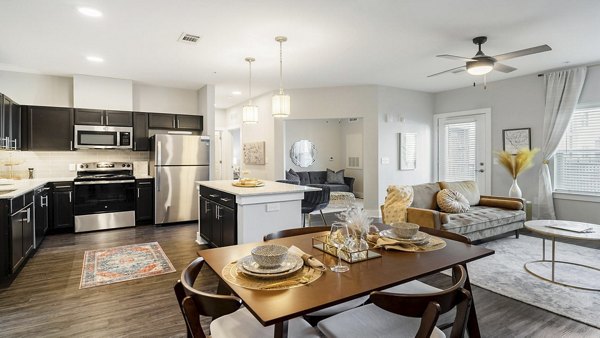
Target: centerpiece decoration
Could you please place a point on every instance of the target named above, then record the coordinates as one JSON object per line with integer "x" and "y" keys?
{"x": 516, "y": 164}
{"x": 359, "y": 224}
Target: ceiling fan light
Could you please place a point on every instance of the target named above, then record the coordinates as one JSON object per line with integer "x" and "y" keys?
{"x": 281, "y": 105}
{"x": 250, "y": 113}
{"x": 480, "y": 67}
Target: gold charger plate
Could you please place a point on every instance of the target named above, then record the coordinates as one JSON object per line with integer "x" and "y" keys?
{"x": 303, "y": 277}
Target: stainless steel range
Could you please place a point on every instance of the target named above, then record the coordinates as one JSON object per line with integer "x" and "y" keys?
{"x": 104, "y": 196}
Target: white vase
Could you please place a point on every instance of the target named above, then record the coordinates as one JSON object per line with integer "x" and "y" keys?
{"x": 515, "y": 191}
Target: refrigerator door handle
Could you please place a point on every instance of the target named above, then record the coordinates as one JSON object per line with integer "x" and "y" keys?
{"x": 158, "y": 178}
{"x": 159, "y": 152}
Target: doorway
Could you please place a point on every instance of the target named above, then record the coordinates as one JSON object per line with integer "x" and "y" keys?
{"x": 464, "y": 147}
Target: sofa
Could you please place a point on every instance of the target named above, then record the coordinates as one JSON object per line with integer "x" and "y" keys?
{"x": 319, "y": 179}
{"x": 487, "y": 216}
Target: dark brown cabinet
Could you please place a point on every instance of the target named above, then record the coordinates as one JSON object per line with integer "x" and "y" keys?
{"x": 47, "y": 128}
{"x": 172, "y": 121}
{"x": 218, "y": 221}
{"x": 21, "y": 230}
{"x": 140, "y": 132}
{"x": 144, "y": 203}
{"x": 97, "y": 117}
{"x": 10, "y": 124}
{"x": 62, "y": 206}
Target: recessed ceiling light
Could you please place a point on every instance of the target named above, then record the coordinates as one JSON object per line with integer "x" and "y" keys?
{"x": 96, "y": 59}
{"x": 88, "y": 11}
{"x": 236, "y": 92}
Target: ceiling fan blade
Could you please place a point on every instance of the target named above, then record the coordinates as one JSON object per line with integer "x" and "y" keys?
{"x": 522, "y": 52}
{"x": 446, "y": 71}
{"x": 503, "y": 68}
{"x": 454, "y": 57}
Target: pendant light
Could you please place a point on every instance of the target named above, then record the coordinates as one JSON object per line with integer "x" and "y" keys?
{"x": 281, "y": 101}
{"x": 250, "y": 111}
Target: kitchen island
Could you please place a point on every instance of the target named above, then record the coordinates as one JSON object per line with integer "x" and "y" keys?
{"x": 231, "y": 215}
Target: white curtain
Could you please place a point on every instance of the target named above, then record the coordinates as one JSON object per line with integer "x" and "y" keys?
{"x": 562, "y": 94}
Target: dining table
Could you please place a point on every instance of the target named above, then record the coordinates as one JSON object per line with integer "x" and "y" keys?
{"x": 276, "y": 307}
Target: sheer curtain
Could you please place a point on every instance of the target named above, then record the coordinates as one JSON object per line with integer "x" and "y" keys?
{"x": 562, "y": 94}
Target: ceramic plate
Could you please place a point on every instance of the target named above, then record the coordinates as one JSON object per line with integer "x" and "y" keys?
{"x": 291, "y": 264}
{"x": 419, "y": 238}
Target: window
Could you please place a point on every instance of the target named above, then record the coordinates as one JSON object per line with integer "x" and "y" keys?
{"x": 461, "y": 152}
{"x": 577, "y": 159}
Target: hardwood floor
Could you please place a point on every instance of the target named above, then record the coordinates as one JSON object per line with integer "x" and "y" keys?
{"x": 45, "y": 299}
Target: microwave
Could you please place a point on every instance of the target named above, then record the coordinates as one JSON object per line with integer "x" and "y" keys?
{"x": 102, "y": 137}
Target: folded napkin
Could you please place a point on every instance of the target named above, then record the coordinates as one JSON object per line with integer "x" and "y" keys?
{"x": 308, "y": 259}
{"x": 392, "y": 244}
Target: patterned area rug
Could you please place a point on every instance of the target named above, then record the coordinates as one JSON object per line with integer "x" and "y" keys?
{"x": 123, "y": 263}
{"x": 504, "y": 274}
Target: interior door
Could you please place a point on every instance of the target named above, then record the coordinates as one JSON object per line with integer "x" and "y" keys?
{"x": 462, "y": 148}
{"x": 218, "y": 155}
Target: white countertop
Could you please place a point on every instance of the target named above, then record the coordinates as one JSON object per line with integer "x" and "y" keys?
{"x": 270, "y": 188}
{"x": 13, "y": 188}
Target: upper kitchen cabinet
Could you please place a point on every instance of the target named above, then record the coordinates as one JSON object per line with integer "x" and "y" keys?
{"x": 172, "y": 121}
{"x": 10, "y": 124}
{"x": 97, "y": 117}
{"x": 47, "y": 128}
{"x": 140, "y": 132}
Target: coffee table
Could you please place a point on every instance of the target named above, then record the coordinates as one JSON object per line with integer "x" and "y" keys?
{"x": 543, "y": 228}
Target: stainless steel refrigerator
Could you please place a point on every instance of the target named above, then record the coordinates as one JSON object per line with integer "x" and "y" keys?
{"x": 177, "y": 162}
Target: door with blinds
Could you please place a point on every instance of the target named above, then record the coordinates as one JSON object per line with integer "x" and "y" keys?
{"x": 462, "y": 147}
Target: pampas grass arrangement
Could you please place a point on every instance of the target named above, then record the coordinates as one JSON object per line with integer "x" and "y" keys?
{"x": 517, "y": 164}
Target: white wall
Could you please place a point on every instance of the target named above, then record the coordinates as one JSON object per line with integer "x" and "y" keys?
{"x": 519, "y": 103}
{"x": 147, "y": 98}
{"x": 416, "y": 110}
{"x": 97, "y": 92}
{"x": 37, "y": 89}
{"x": 354, "y": 142}
{"x": 327, "y": 137}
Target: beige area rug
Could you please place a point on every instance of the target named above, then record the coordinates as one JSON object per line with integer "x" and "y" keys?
{"x": 504, "y": 274}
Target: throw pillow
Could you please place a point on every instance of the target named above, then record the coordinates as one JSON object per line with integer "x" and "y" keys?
{"x": 291, "y": 175}
{"x": 397, "y": 200}
{"x": 452, "y": 201}
{"x": 468, "y": 189}
{"x": 335, "y": 177}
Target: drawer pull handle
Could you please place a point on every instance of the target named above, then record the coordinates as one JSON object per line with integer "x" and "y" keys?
{"x": 213, "y": 195}
{"x": 226, "y": 199}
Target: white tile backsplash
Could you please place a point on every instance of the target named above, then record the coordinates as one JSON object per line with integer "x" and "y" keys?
{"x": 48, "y": 164}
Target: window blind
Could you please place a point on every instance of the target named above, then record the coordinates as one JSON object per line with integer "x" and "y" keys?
{"x": 577, "y": 159}
{"x": 461, "y": 151}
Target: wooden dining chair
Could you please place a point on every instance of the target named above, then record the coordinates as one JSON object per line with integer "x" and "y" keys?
{"x": 229, "y": 317}
{"x": 418, "y": 287}
{"x": 314, "y": 317}
{"x": 295, "y": 232}
{"x": 392, "y": 314}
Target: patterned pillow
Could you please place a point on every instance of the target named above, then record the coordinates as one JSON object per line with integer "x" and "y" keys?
{"x": 397, "y": 200}
{"x": 451, "y": 201}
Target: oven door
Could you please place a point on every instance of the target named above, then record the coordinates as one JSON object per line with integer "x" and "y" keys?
{"x": 96, "y": 197}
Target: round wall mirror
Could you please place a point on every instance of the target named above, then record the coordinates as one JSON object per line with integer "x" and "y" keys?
{"x": 303, "y": 153}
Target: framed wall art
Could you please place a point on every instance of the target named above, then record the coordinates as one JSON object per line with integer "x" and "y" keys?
{"x": 254, "y": 153}
{"x": 407, "y": 143}
{"x": 515, "y": 139}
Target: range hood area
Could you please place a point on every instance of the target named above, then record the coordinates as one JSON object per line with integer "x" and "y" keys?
{"x": 96, "y": 92}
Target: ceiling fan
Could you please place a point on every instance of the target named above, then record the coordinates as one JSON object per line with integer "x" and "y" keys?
{"x": 481, "y": 64}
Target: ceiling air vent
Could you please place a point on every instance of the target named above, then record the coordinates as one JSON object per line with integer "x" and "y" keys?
{"x": 188, "y": 38}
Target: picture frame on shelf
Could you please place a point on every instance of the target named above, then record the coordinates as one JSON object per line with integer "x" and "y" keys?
{"x": 515, "y": 139}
